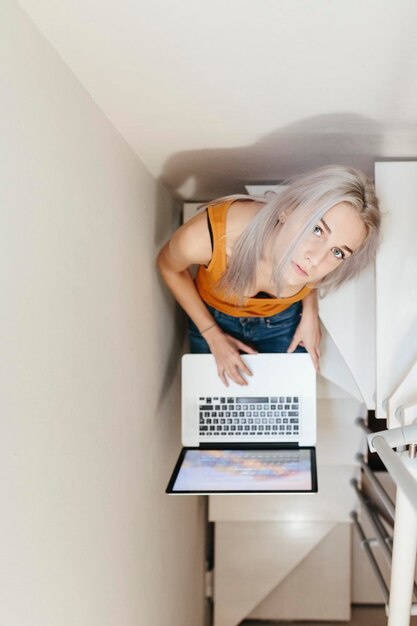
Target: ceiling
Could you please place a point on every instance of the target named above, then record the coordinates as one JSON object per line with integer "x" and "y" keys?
{"x": 212, "y": 95}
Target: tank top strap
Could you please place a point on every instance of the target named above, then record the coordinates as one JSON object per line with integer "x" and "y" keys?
{"x": 217, "y": 215}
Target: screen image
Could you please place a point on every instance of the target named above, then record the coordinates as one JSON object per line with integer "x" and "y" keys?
{"x": 245, "y": 470}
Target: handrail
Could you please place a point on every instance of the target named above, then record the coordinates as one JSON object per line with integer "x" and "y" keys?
{"x": 397, "y": 470}
{"x": 395, "y": 437}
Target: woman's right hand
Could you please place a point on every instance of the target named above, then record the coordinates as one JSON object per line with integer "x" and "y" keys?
{"x": 226, "y": 351}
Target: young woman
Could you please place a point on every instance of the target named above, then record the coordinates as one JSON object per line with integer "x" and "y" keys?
{"x": 261, "y": 261}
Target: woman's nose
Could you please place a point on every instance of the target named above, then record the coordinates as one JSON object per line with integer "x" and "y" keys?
{"x": 315, "y": 256}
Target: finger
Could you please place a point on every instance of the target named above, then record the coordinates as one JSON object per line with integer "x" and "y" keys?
{"x": 222, "y": 376}
{"x": 293, "y": 345}
{"x": 315, "y": 360}
{"x": 245, "y": 348}
{"x": 236, "y": 376}
{"x": 243, "y": 366}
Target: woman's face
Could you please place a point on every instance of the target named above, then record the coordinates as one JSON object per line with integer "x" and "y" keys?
{"x": 336, "y": 237}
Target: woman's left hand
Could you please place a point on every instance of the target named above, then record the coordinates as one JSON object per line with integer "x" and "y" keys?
{"x": 308, "y": 333}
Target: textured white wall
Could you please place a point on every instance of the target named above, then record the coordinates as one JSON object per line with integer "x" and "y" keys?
{"x": 89, "y": 398}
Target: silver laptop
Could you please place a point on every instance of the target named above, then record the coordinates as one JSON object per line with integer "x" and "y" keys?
{"x": 257, "y": 438}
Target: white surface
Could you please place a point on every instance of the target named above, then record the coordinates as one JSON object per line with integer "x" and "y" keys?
{"x": 253, "y": 559}
{"x": 348, "y": 315}
{"x": 401, "y": 404}
{"x": 300, "y": 595}
{"x": 260, "y": 190}
{"x": 212, "y": 95}
{"x": 396, "y": 285}
{"x": 333, "y": 366}
{"x": 89, "y": 399}
{"x": 333, "y": 502}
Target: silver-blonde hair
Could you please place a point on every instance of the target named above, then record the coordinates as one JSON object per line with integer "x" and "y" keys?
{"x": 308, "y": 197}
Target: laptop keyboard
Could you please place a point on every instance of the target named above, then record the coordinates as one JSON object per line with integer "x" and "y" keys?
{"x": 249, "y": 416}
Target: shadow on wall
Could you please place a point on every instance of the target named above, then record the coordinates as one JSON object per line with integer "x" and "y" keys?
{"x": 167, "y": 218}
{"x": 346, "y": 139}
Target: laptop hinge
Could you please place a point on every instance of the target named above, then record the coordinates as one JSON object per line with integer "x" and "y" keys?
{"x": 260, "y": 445}
{"x": 209, "y": 583}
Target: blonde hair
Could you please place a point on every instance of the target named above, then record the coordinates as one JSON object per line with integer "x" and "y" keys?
{"x": 307, "y": 197}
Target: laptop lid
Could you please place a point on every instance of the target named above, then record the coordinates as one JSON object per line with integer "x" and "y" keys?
{"x": 278, "y": 405}
{"x": 244, "y": 470}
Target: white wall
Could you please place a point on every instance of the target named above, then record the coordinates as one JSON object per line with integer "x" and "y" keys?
{"x": 89, "y": 387}
{"x": 396, "y": 290}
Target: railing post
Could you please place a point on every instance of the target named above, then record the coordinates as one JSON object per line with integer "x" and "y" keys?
{"x": 403, "y": 561}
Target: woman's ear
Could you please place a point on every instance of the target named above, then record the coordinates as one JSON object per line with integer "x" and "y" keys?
{"x": 282, "y": 217}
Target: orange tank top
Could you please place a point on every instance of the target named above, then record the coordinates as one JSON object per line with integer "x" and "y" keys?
{"x": 208, "y": 277}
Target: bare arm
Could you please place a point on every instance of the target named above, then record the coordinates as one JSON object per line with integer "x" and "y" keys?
{"x": 308, "y": 332}
{"x": 191, "y": 245}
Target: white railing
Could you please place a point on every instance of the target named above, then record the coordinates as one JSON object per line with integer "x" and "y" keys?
{"x": 402, "y": 467}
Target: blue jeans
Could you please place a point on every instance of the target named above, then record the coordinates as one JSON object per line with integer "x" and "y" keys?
{"x": 264, "y": 334}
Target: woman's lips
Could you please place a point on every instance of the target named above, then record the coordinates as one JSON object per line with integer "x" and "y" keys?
{"x": 300, "y": 271}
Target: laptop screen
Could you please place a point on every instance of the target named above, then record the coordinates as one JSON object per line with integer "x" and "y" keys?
{"x": 244, "y": 470}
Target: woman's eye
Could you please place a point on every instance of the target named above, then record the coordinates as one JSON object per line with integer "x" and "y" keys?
{"x": 338, "y": 253}
{"x": 317, "y": 230}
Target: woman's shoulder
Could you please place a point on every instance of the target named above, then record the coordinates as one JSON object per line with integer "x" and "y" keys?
{"x": 241, "y": 213}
